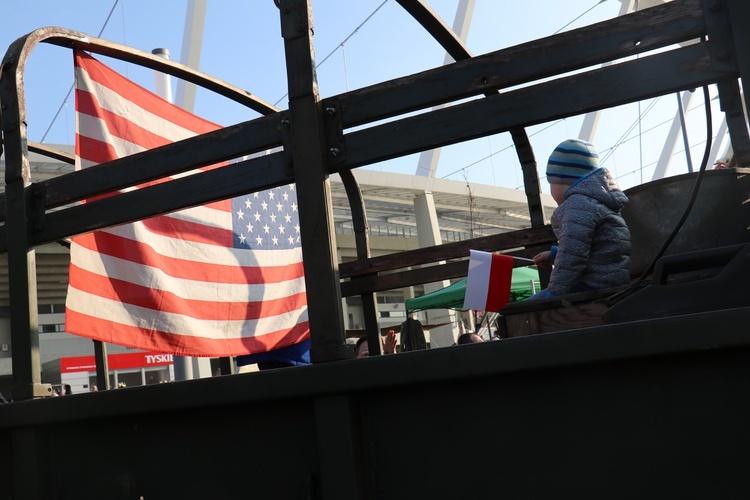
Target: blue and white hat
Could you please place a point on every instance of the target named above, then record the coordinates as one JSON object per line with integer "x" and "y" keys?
{"x": 570, "y": 161}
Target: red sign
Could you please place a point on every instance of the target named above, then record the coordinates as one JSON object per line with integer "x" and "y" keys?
{"x": 122, "y": 361}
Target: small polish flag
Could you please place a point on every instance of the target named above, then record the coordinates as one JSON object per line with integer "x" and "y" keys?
{"x": 488, "y": 281}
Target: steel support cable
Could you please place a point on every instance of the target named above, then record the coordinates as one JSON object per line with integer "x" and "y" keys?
{"x": 67, "y": 96}
{"x": 340, "y": 45}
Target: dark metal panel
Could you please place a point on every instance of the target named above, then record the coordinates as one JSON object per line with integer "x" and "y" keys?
{"x": 29, "y": 466}
{"x": 660, "y": 427}
{"x": 699, "y": 333}
{"x": 340, "y": 467}
{"x": 636, "y": 33}
{"x": 313, "y": 189}
{"x": 598, "y": 89}
{"x": 617, "y": 400}
{"x": 650, "y": 400}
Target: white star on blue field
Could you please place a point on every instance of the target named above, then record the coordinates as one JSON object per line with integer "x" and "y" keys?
{"x": 266, "y": 220}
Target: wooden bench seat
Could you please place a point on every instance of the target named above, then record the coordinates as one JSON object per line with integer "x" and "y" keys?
{"x": 564, "y": 312}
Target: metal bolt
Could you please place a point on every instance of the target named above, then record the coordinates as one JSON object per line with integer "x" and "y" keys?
{"x": 285, "y": 122}
{"x": 331, "y": 111}
{"x": 334, "y": 151}
{"x": 715, "y": 5}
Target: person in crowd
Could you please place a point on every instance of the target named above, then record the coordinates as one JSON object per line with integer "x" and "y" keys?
{"x": 593, "y": 240}
{"x": 468, "y": 338}
{"x": 362, "y": 350}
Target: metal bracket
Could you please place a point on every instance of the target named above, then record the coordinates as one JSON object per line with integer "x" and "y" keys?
{"x": 33, "y": 391}
{"x": 731, "y": 103}
{"x": 291, "y": 13}
{"x": 719, "y": 31}
{"x": 334, "y": 130}
{"x": 285, "y": 125}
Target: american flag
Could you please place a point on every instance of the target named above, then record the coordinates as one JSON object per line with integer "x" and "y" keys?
{"x": 223, "y": 279}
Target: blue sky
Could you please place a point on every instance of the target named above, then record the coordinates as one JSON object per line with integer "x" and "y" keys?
{"x": 242, "y": 45}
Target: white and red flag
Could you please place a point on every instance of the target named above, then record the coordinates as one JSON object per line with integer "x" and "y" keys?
{"x": 488, "y": 281}
{"x": 222, "y": 279}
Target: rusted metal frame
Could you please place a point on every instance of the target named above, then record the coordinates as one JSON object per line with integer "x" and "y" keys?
{"x": 740, "y": 10}
{"x": 21, "y": 48}
{"x": 102, "y": 365}
{"x": 226, "y": 365}
{"x": 362, "y": 240}
{"x": 56, "y": 154}
{"x": 232, "y": 180}
{"x": 531, "y": 186}
{"x": 453, "y": 45}
{"x": 400, "y": 279}
{"x": 334, "y": 134}
{"x": 659, "y": 74}
{"x": 307, "y": 126}
{"x": 530, "y": 178}
{"x": 730, "y": 99}
{"x": 726, "y": 54}
{"x": 23, "y": 219}
{"x": 43, "y": 149}
{"x": 27, "y": 380}
{"x": 447, "y": 251}
{"x": 435, "y": 26}
{"x": 182, "y": 156}
{"x": 636, "y": 33}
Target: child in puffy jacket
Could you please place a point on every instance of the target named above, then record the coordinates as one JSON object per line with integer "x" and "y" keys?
{"x": 593, "y": 250}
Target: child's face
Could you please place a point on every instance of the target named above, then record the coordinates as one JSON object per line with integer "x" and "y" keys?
{"x": 558, "y": 192}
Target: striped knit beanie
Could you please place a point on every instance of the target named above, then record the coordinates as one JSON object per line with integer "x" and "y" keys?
{"x": 570, "y": 161}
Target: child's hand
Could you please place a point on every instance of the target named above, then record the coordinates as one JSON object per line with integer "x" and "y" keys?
{"x": 543, "y": 259}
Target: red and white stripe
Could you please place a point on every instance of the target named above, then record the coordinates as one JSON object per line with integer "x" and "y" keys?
{"x": 488, "y": 281}
{"x": 171, "y": 283}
